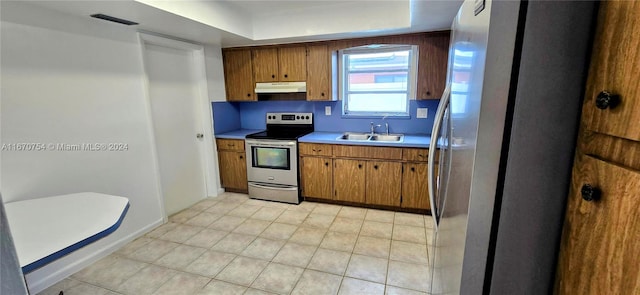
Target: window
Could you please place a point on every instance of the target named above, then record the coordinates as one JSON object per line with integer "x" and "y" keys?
{"x": 378, "y": 80}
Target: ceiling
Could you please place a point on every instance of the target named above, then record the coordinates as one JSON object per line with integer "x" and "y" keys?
{"x": 230, "y": 23}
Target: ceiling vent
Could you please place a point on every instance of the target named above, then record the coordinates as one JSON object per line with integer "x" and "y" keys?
{"x": 114, "y": 19}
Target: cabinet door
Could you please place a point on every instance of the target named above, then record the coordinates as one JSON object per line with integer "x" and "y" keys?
{"x": 318, "y": 73}
{"x": 432, "y": 66}
{"x": 265, "y": 64}
{"x": 238, "y": 74}
{"x": 599, "y": 252}
{"x": 349, "y": 180}
{"x": 415, "y": 192}
{"x": 384, "y": 183}
{"x": 233, "y": 170}
{"x": 293, "y": 64}
{"x": 316, "y": 177}
{"x": 615, "y": 68}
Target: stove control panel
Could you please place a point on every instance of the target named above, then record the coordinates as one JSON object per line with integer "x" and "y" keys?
{"x": 289, "y": 118}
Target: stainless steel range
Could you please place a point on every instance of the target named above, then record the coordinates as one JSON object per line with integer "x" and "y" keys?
{"x": 272, "y": 157}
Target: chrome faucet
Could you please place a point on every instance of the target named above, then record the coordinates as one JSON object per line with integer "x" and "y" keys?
{"x": 386, "y": 125}
{"x": 373, "y": 128}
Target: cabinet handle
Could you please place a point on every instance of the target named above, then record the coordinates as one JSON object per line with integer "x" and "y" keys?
{"x": 607, "y": 100}
{"x": 375, "y": 167}
{"x": 326, "y": 164}
{"x": 248, "y": 94}
{"x": 241, "y": 157}
{"x": 413, "y": 169}
{"x": 286, "y": 76}
{"x": 321, "y": 93}
{"x": 421, "y": 155}
{"x": 359, "y": 166}
{"x": 428, "y": 93}
{"x": 319, "y": 150}
{"x": 590, "y": 193}
{"x": 273, "y": 76}
{"x": 313, "y": 150}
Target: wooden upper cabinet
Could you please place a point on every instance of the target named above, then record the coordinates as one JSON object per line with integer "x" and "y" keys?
{"x": 285, "y": 64}
{"x": 238, "y": 75}
{"x": 615, "y": 68}
{"x": 432, "y": 66}
{"x": 293, "y": 63}
{"x": 319, "y": 65}
{"x": 265, "y": 64}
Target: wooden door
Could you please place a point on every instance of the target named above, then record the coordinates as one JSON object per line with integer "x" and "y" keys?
{"x": 238, "y": 74}
{"x": 265, "y": 64}
{"x": 599, "y": 251}
{"x": 233, "y": 170}
{"x": 349, "y": 180}
{"x": 316, "y": 177}
{"x": 318, "y": 73}
{"x": 384, "y": 183}
{"x": 415, "y": 190}
{"x": 614, "y": 68}
{"x": 292, "y": 64}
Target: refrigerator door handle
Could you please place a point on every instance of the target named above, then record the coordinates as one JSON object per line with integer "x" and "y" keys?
{"x": 433, "y": 146}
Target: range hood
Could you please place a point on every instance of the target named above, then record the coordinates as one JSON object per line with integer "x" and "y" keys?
{"x": 281, "y": 87}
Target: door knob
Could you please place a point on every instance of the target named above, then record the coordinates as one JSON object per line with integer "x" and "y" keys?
{"x": 199, "y": 136}
{"x": 607, "y": 100}
{"x": 590, "y": 193}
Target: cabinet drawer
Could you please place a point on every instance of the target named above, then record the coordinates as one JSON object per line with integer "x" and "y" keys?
{"x": 368, "y": 152}
{"x": 230, "y": 144}
{"x": 420, "y": 155}
{"x": 314, "y": 149}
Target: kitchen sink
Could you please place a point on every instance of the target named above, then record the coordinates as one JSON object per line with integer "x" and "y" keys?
{"x": 352, "y": 136}
{"x": 387, "y": 137}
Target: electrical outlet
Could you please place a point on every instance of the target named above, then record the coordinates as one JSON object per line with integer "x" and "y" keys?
{"x": 422, "y": 113}
{"x": 327, "y": 110}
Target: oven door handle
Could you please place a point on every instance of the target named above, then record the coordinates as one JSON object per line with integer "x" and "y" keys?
{"x": 267, "y": 143}
{"x": 274, "y": 187}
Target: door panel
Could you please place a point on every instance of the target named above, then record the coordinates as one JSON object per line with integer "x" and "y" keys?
{"x": 384, "y": 183}
{"x": 615, "y": 65}
{"x": 265, "y": 64}
{"x": 599, "y": 252}
{"x": 349, "y": 180}
{"x": 233, "y": 170}
{"x": 316, "y": 177}
{"x": 176, "y": 121}
{"x": 293, "y": 63}
{"x": 238, "y": 73}
{"x": 415, "y": 192}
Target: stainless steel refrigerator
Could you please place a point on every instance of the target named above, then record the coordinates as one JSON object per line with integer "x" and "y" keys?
{"x": 505, "y": 130}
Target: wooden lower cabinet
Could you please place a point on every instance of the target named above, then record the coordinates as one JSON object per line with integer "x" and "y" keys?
{"x": 415, "y": 188}
{"x": 384, "y": 183}
{"x": 233, "y": 170}
{"x": 599, "y": 250}
{"x": 349, "y": 180}
{"x": 316, "y": 177}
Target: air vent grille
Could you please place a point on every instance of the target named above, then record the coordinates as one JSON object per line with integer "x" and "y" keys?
{"x": 114, "y": 19}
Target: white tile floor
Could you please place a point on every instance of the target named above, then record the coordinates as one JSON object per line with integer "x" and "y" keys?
{"x": 235, "y": 245}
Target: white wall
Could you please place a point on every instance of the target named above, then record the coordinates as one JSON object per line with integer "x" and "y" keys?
{"x": 73, "y": 80}
{"x": 215, "y": 73}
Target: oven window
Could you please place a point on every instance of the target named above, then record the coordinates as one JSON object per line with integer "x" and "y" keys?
{"x": 272, "y": 158}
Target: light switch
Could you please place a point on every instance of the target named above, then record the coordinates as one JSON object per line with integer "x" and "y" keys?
{"x": 327, "y": 110}
{"x": 422, "y": 113}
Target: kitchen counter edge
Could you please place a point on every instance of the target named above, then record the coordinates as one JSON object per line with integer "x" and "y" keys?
{"x": 410, "y": 140}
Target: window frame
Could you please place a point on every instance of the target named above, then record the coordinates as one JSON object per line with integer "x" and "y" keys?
{"x": 412, "y": 78}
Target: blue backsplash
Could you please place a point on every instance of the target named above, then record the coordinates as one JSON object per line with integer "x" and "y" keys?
{"x": 229, "y": 116}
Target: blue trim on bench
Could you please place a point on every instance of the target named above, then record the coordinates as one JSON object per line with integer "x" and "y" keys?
{"x": 59, "y": 254}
